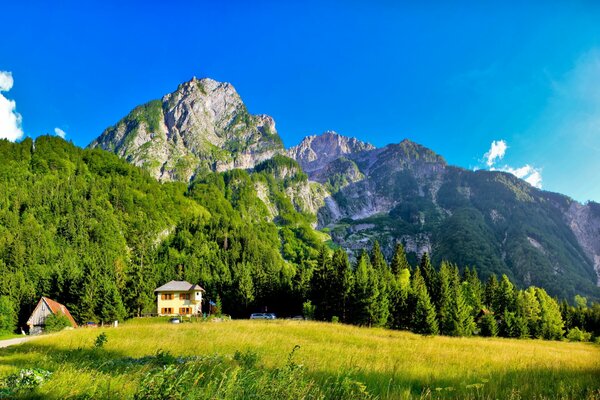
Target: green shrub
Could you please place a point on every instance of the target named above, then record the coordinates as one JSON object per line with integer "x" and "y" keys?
{"x": 577, "y": 335}
{"x": 100, "y": 341}
{"x": 308, "y": 309}
{"x": 8, "y": 316}
{"x": 56, "y": 322}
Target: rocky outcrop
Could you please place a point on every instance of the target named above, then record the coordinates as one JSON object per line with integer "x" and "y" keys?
{"x": 203, "y": 125}
{"x": 584, "y": 221}
{"x": 315, "y": 152}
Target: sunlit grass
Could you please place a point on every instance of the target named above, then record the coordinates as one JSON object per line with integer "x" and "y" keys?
{"x": 392, "y": 364}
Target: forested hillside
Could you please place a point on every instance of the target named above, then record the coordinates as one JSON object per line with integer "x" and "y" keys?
{"x": 99, "y": 235}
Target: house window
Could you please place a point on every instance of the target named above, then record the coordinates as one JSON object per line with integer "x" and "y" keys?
{"x": 166, "y": 296}
{"x": 166, "y": 310}
{"x": 185, "y": 310}
{"x": 184, "y": 296}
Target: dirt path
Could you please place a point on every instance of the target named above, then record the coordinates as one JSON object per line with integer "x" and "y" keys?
{"x": 10, "y": 342}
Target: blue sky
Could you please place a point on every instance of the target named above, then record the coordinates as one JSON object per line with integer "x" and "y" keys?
{"x": 455, "y": 78}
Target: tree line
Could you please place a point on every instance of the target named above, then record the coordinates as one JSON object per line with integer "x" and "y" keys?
{"x": 442, "y": 301}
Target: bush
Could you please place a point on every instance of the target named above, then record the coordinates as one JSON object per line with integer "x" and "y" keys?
{"x": 56, "y": 322}
{"x": 101, "y": 340}
{"x": 577, "y": 335}
{"x": 308, "y": 309}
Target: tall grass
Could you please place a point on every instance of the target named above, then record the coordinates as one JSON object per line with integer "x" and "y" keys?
{"x": 390, "y": 364}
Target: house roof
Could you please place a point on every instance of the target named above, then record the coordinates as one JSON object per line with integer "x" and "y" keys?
{"x": 56, "y": 307}
{"x": 178, "y": 286}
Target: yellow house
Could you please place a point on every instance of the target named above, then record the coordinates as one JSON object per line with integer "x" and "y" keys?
{"x": 179, "y": 298}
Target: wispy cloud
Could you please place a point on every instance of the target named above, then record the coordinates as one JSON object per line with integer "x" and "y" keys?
{"x": 10, "y": 119}
{"x": 60, "y": 133}
{"x": 528, "y": 173}
{"x": 496, "y": 152}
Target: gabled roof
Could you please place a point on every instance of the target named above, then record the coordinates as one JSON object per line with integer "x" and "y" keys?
{"x": 178, "y": 286}
{"x": 56, "y": 308}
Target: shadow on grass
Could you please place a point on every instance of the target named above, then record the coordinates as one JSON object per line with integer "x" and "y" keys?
{"x": 517, "y": 383}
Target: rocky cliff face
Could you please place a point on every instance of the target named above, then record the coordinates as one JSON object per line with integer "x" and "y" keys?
{"x": 315, "y": 152}
{"x": 584, "y": 221}
{"x": 203, "y": 125}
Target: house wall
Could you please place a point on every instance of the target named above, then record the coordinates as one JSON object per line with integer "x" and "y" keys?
{"x": 39, "y": 315}
{"x": 195, "y": 302}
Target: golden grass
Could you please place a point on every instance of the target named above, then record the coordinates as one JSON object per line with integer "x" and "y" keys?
{"x": 393, "y": 364}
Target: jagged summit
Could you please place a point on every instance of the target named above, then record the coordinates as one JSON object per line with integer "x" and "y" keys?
{"x": 314, "y": 152}
{"x": 204, "y": 124}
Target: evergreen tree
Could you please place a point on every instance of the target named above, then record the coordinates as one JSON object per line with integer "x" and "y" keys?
{"x": 528, "y": 308}
{"x": 365, "y": 293}
{"x": 491, "y": 293}
{"x": 385, "y": 282}
{"x": 505, "y": 299}
{"x": 551, "y": 323}
{"x": 445, "y": 298}
{"x": 400, "y": 313}
{"x": 461, "y": 316}
{"x": 488, "y": 326}
{"x": 344, "y": 282}
{"x": 424, "y": 316}
{"x": 399, "y": 261}
{"x": 473, "y": 290}
{"x": 321, "y": 286}
{"x": 429, "y": 276}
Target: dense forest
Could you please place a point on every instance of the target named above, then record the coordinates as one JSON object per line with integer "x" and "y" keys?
{"x": 91, "y": 231}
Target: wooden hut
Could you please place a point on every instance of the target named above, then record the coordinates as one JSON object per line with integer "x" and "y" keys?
{"x": 45, "y": 308}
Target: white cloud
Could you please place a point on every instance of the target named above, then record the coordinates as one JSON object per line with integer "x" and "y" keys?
{"x": 60, "y": 133}
{"x": 6, "y": 81}
{"x": 10, "y": 119}
{"x": 496, "y": 152}
{"x": 529, "y": 174}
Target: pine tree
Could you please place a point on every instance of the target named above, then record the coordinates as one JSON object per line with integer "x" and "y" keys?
{"x": 424, "y": 317}
{"x": 528, "y": 308}
{"x": 384, "y": 280}
{"x": 461, "y": 316}
{"x": 399, "y": 296}
{"x": 444, "y": 300}
{"x": 488, "y": 326}
{"x": 473, "y": 290}
{"x": 365, "y": 293}
{"x": 429, "y": 276}
{"x": 491, "y": 293}
{"x": 505, "y": 299}
{"x": 344, "y": 282}
{"x": 321, "y": 286}
{"x": 551, "y": 323}
{"x": 399, "y": 261}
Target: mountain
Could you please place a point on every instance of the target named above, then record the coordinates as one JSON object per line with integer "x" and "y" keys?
{"x": 360, "y": 194}
{"x": 203, "y": 125}
{"x": 491, "y": 220}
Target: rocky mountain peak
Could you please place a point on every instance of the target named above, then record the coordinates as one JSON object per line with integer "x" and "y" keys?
{"x": 203, "y": 125}
{"x": 314, "y": 152}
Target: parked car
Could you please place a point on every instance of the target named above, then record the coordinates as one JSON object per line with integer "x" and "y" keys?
{"x": 262, "y": 316}
{"x": 175, "y": 320}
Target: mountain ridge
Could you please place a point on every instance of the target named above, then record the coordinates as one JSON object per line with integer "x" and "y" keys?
{"x": 358, "y": 193}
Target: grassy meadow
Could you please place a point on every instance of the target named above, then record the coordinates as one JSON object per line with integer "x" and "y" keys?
{"x": 390, "y": 364}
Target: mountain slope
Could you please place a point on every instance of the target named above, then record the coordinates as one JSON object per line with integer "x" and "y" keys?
{"x": 490, "y": 220}
{"x": 203, "y": 125}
